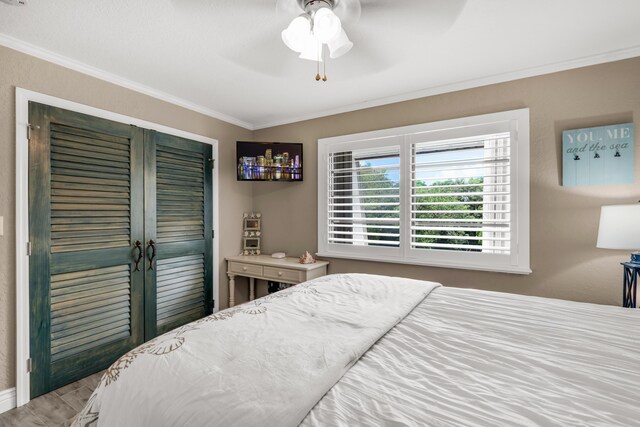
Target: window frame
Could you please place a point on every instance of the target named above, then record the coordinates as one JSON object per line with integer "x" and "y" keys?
{"x": 516, "y": 122}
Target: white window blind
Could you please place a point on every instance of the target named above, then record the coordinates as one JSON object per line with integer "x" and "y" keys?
{"x": 364, "y": 197}
{"x": 461, "y": 194}
{"x": 453, "y": 194}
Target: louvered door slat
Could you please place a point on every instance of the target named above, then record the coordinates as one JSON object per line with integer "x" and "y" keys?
{"x": 86, "y": 293}
{"x": 88, "y": 317}
{"x": 169, "y": 200}
{"x": 89, "y": 322}
{"x": 87, "y": 344}
{"x": 180, "y": 287}
{"x": 58, "y": 181}
{"x": 64, "y": 165}
{"x": 92, "y": 136}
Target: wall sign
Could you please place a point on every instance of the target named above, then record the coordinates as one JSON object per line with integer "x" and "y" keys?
{"x": 598, "y": 156}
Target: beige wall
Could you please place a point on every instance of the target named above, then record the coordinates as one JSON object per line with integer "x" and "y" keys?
{"x": 564, "y": 221}
{"x": 17, "y": 69}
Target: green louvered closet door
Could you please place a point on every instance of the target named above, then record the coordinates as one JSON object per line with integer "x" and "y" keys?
{"x": 100, "y": 193}
{"x": 178, "y": 223}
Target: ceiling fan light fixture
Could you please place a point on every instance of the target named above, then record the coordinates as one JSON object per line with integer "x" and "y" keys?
{"x": 295, "y": 35}
{"x": 339, "y": 45}
{"x": 326, "y": 25}
{"x": 312, "y": 49}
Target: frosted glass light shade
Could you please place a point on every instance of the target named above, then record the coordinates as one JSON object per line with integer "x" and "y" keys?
{"x": 619, "y": 227}
{"x": 339, "y": 45}
{"x": 326, "y": 25}
{"x": 295, "y": 35}
{"x": 312, "y": 49}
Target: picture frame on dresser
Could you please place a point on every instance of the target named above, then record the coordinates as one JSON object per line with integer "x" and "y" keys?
{"x": 252, "y": 224}
{"x": 251, "y": 243}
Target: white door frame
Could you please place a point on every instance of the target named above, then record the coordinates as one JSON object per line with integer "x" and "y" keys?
{"x": 23, "y": 97}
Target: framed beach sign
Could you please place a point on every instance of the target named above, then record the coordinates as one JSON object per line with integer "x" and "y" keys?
{"x": 598, "y": 156}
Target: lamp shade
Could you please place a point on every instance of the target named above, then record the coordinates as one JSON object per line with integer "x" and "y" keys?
{"x": 619, "y": 227}
{"x": 326, "y": 25}
{"x": 340, "y": 45}
{"x": 295, "y": 35}
{"x": 312, "y": 49}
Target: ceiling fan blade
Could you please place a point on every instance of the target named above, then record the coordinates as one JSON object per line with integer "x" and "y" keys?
{"x": 423, "y": 18}
{"x": 288, "y": 9}
{"x": 348, "y": 11}
{"x": 219, "y": 8}
{"x": 364, "y": 61}
{"x": 266, "y": 56}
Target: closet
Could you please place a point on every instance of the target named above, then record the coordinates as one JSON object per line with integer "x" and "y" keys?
{"x": 120, "y": 225}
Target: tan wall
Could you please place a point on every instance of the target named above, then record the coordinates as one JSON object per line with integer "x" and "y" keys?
{"x": 17, "y": 69}
{"x": 564, "y": 221}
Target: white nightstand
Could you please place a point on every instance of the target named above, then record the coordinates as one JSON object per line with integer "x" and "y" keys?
{"x": 285, "y": 270}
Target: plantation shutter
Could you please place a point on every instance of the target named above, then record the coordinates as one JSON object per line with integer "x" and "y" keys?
{"x": 461, "y": 194}
{"x": 363, "y": 197}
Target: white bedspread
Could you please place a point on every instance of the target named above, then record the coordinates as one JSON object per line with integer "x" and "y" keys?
{"x": 472, "y": 358}
{"x": 263, "y": 363}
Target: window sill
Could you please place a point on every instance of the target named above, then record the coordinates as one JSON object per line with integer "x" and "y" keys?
{"x": 467, "y": 266}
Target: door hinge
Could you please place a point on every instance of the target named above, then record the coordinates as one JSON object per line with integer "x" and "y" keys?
{"x": 28, "y": 248}
{"x": 212, "y": 162}
{"x": 214, "y": 304}
{"x": 29, "y": 128}
{"x": 29, "y": 365}
{"x": 213, "y": 234}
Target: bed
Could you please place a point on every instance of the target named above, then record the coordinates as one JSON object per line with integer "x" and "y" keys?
{"x": 357, "y": 349}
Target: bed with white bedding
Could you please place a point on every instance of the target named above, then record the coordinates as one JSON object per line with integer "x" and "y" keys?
{"x": 354, "y": 349}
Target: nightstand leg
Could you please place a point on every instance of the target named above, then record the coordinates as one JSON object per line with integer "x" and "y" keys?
{"x": 232, "y": 290}
{"x": 252, "y": 288}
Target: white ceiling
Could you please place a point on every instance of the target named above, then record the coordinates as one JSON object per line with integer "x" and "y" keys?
{"x": 225, "y": 57}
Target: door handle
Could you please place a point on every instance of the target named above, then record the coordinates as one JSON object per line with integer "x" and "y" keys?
{"x": 138, "y": 246}
{"x": 152, "y": 245}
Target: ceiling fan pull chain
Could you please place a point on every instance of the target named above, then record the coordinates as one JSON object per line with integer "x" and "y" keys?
{"x": 318, "y": 67}
{"x": 324, "y": 68}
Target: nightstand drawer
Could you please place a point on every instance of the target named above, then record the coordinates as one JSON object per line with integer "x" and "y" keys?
{"x": 283, "y": 274}
{"x": 242, "y": 268}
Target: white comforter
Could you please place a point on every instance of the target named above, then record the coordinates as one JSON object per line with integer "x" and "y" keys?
{"x": 457, "y": 357}
{"x": 263, "y": 363}
{"x": 466, "y": 357}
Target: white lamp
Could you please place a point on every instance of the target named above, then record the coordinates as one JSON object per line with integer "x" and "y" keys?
{"x": 620, "y": 228}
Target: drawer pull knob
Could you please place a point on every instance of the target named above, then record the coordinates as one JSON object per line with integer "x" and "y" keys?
{"x": 279, "y": 273}
{"x": 244, "y": 268}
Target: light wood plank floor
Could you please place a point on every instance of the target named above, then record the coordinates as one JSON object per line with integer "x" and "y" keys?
{"x": 55, "y": 409}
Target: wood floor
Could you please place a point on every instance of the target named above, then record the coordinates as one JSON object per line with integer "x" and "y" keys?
{"x": 55, "y": 409}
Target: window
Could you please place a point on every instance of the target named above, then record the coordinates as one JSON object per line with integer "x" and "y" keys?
{"x": 451, "y": 194}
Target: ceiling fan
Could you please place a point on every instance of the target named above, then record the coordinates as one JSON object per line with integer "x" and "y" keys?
{"x": 374, "y": 35}
{"x": 316, "y": 26}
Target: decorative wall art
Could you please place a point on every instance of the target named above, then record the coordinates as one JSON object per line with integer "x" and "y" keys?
{"x": 598, "y": 156}
{"x": 252, "y": 225}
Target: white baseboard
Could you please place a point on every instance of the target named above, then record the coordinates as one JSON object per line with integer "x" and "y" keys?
{"x": 7, "y": 399}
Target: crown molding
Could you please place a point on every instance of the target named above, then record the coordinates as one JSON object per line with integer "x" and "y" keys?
{"x": 30, "y": 49}
{"x": 47, "y": 55}
{"x": 615, "y": 55}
